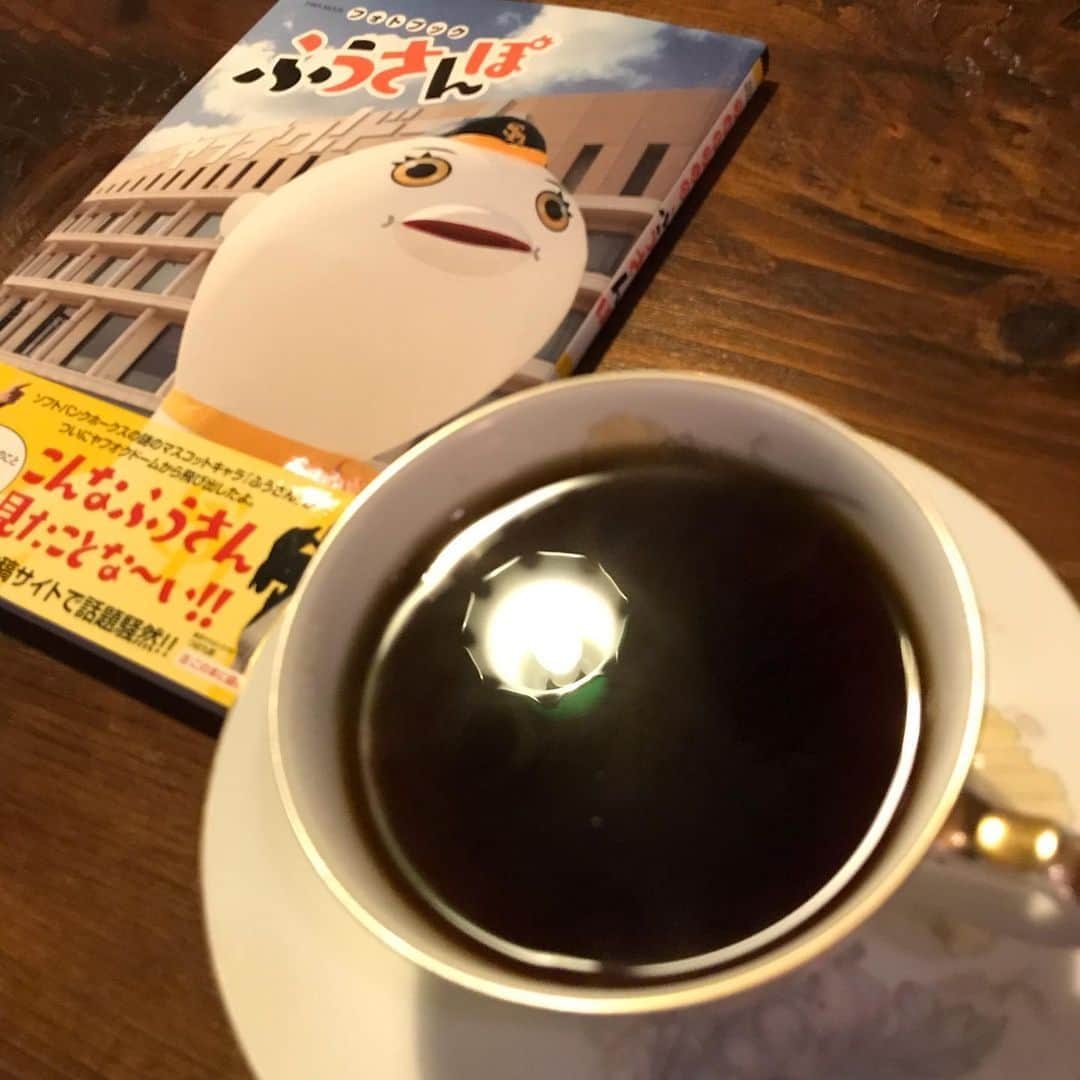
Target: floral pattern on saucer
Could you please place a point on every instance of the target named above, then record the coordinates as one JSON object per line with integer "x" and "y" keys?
{"x": 840, "y": 1020}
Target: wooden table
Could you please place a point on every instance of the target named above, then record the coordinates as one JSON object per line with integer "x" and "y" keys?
{"x": 896, "y": 239}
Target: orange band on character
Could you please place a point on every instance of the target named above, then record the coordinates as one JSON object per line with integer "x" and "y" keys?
{"x": 310, "y": 462}
{"x": 492, "y": 142}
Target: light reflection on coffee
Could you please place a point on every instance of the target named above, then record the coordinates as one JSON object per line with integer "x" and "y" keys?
{"x": 545, "y": 623}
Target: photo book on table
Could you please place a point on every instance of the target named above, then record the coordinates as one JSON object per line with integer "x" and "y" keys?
{"x": 359, "y": 224}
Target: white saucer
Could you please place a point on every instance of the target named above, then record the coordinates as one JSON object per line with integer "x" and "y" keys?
{"x": 312, "y": 995}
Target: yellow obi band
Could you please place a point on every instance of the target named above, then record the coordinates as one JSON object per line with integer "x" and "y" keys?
{"x": 313, "y": 464}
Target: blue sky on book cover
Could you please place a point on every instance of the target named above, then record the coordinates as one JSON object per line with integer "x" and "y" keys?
{"x": 591, "y": 52}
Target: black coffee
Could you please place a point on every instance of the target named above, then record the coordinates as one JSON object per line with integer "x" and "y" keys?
{"x": 642, "y": 718}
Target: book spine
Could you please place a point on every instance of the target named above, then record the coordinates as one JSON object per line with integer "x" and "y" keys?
{"x": 601, "y": 311}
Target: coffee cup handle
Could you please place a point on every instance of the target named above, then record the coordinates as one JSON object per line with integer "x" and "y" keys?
{"x": 1016, "y": 874}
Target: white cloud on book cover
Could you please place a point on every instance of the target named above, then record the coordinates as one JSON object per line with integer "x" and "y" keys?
{"x": 626, "y": 44}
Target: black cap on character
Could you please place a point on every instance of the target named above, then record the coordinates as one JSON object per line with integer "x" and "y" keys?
{"x": 507, "y": 134}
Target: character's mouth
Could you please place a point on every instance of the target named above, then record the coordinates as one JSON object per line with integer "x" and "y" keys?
{"x": 467, "y": 234}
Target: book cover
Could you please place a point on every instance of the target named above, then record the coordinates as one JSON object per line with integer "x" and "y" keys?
{"x": 360, "y": 223}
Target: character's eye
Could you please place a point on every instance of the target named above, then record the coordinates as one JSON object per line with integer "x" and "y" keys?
{"x": 553, "y": 210}
{"x": 420, "y": 171}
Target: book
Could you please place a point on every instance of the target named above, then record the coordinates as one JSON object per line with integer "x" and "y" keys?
{"x": 359, "y": 224}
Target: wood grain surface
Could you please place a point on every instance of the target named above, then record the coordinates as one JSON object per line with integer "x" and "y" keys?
{"x": 897, "y": 239}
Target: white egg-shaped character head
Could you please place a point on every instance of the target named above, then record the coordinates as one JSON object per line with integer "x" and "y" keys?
{"x": 378, "y": 294}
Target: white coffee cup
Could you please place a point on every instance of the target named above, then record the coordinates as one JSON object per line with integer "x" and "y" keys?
{"x": 456, "y": 468}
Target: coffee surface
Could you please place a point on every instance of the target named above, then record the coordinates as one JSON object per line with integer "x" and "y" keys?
{"x": 637, "y": 716}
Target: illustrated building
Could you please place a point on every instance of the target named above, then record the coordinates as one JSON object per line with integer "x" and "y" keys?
{"x": 101, "y": 305}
